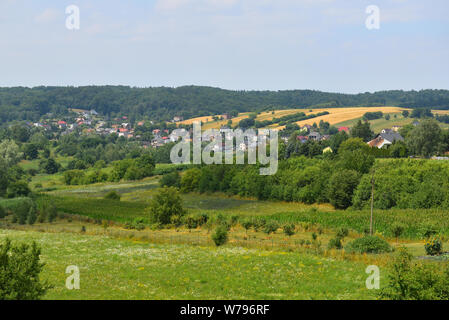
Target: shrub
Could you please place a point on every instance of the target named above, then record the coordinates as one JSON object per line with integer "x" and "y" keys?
{"x": 176, "y": 221}
{"x": 222, "y": 221}
{"x": 397, "y": 229}
{"x": 20, "y": 268}
{"x": 137, "y": 224}
{"x": 247, "y": 224}
{"x": 22, "y": 210}
{"x": 191, "y": 222}
{"x": 314, "y": 236}
{"x": 335, "y": 243}
{"x": 433, "y": 247}
{"x": 271, "y": 227}
{"x": 32, "y": 216}
{"x": 342, "y": 232}
{"x": 172, "y": 179}
{"x": 259, "y": 223}
{"x": 202, "y": 219}
{"x": 289, "y": 229}
{"x": 428, "y": 230}
{"x": 52, "y": 213}
{"x": 368, "y": 244}
{"x": 220, "y": 236}
{"x": 234, "y": 220}
{"x": 112, "y": 195}
{"x": 415, "y": 281}
{"x": 164, "y": 205}
{"x": 18, "y": 189}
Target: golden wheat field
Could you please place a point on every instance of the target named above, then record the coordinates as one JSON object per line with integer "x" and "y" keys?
{"x": 335, "y": 116}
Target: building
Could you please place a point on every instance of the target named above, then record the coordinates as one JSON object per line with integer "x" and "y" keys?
{"x": 315, "y": 136}
{"x": 384, "y": 138}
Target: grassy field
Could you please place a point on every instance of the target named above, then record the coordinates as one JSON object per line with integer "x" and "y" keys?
{"x": 379, "y": 124}
{"x": 125, "y": 269}
{"x": 88, "y": 201}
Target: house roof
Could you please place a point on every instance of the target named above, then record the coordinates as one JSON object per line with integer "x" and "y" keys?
{"x": 391, "y": 135}
{"x": 377, "y": 142}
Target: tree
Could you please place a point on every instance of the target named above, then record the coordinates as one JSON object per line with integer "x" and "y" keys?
{"x": 426, "y": 139}
{"x": 3, "y": 177}
{"x": 9, "y": 153}
{"x": 341, "y": 188}
{"x": 398, "y": 150}
{"x": 20, "y": 268}
{"x": 354, "y": 154}
{"x": 165, "y": 204}
{"x": 49, "y": 166}
{"x": 30, "y": 151}
{"x": 405, "y": 113}
{"x": 172, "y": 179}
{"x": 362, "y": 130}
{"x": 247, "y": 123}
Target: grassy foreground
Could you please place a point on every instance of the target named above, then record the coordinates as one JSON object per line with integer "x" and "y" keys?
{"x": 125, "y": 269}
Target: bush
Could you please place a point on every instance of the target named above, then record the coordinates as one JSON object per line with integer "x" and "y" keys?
{"x": 22, "y": 210}
{"x": 368, "y": 244}
{"x": 259, "y": 223}
{"x": 18, "y": 189}
{"x": 164, "y": 205}
{"x": 428, "y": 230}
{"x": 342, "y": 232}
{"x": 112, "y": 195}
{"x": 20, "y": 267}
{"x": 191, "y": 222}
{"x": 172, "y": 179}
{"x": 335, "y": 243}
{"x": 32, "y": 216}
{"x": 247, "y": 224}
{"x": 271, "y": 227}
{"x": 433, "y": 247}
{"x": 52, "y": 213}
{"x": 220, "y": 236}
{"x": 202, "y": 219}
{"x": 289, "y": 229}
{"x": 397, "y": 229}
{"x": 415, "y": 281}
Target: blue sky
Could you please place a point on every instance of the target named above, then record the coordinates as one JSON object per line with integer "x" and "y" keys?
{"x": 233, "y": 44}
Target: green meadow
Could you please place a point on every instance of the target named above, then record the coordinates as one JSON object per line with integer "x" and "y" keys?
{"x": 129, "y": 269}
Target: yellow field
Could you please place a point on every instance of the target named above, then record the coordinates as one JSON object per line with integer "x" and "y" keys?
{"x": 335, "y": 116}
{"x": 440, "y": 112}
{"x": 338, "y": 115}
{"x": 198, "y": 119}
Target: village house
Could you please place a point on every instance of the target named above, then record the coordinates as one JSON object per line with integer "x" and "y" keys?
{"x": 315, "y": 136}
{"x": 384, "y": 138}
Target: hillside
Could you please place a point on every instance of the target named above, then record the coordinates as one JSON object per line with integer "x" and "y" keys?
{"x": 163, "y": 103}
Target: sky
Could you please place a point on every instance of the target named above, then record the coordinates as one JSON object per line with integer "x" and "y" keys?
{"x": 233, "y": 44}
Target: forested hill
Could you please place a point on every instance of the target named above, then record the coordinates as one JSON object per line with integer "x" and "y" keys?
{"x": 163, "y": 103}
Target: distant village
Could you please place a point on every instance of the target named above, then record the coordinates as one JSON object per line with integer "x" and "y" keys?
{"x": 87, "y": 122}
